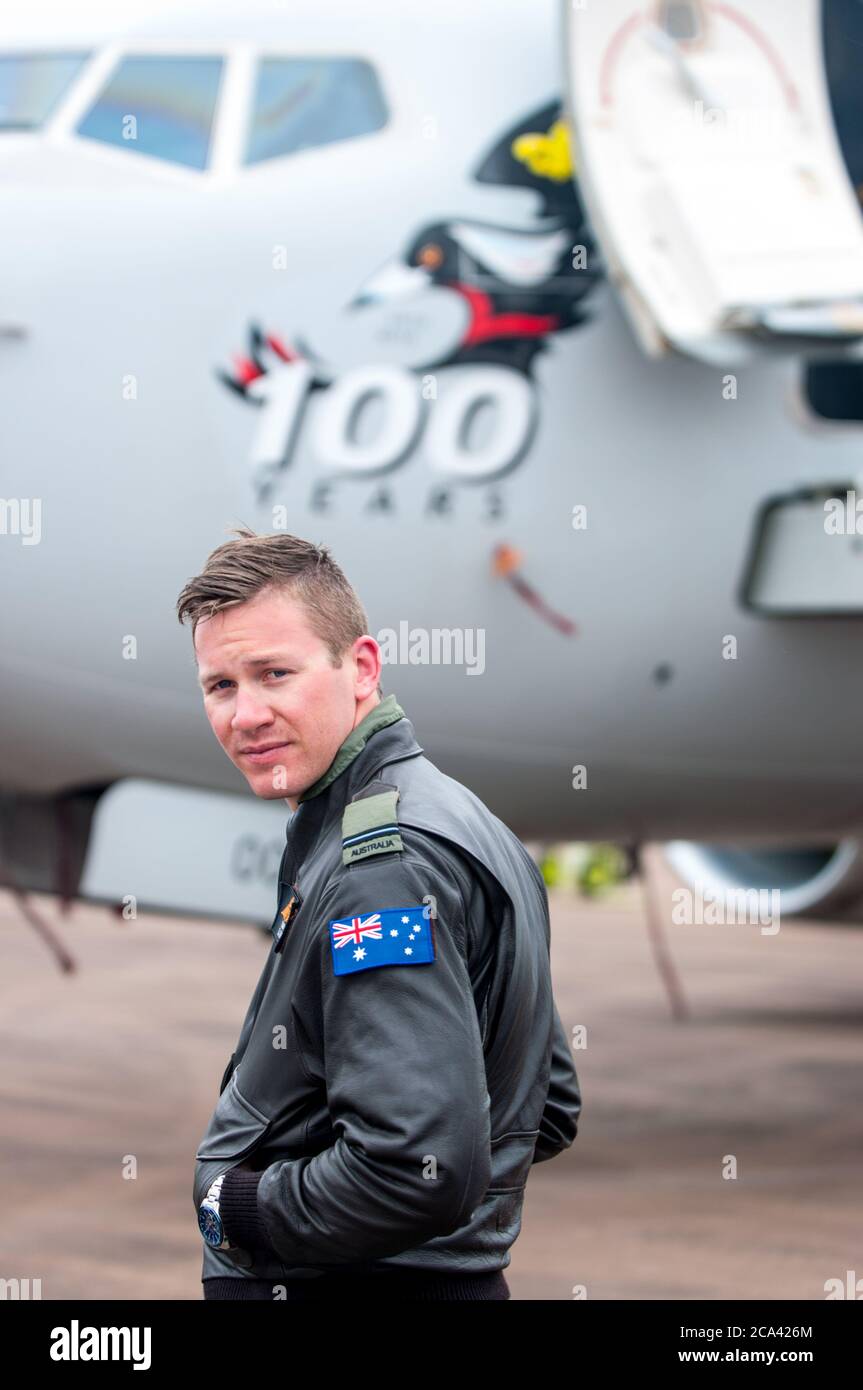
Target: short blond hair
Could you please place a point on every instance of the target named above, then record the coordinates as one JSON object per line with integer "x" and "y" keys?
{"x": 240, "y": 569}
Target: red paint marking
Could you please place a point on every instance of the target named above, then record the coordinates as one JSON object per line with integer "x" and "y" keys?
{"x": 286, "y": 354}
{"x": 629, "y": 26}
{"x": 791, "y": 93}
{"x": 506, "y": 561}
{"x": 485, "y": 323}
{"x": 246, "y": 370}
{"x": 612, "y": 53}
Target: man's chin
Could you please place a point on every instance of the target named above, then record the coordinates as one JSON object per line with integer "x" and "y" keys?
{"x": 270, "y": 784}
{"x": 263, "y": 787}
{"x": 269, "y": 793}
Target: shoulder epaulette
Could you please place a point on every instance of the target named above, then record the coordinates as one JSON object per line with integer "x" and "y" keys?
{"x": 370, "y": 824}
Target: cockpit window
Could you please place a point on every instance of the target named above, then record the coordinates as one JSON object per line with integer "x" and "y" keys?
{"x": 31, "y": 84}
{"x": 303, "y": 102}
{"x": 160, "y": 106}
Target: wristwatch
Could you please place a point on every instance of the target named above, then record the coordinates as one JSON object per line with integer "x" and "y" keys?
{"x": 209, "y": 1218}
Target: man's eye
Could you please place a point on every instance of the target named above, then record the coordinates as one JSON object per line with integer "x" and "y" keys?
{"x": 216, "y": 685}
{"x": 277, "y": 671}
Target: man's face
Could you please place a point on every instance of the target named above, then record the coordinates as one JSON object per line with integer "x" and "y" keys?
{"x": 269, "y": 685}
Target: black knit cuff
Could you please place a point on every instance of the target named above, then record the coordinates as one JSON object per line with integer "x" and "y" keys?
{"x": 238, "y": 1207}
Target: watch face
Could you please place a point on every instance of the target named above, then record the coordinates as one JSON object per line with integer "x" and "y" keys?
{"x": 210, "y": 1223}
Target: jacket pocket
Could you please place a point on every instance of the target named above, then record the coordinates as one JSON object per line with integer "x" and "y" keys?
{"x": 236, "y": 1128}
{"x": 510, "y": 1160}
{"x": 508, "y": 1214}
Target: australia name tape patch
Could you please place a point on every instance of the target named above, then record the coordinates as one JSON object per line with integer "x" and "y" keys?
{"x": 390, "y": 936}
{"x": 385, "y": 840}
{"x": 370, "y": 826}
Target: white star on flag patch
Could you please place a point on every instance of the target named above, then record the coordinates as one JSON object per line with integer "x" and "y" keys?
{"x": 390, "y": 936}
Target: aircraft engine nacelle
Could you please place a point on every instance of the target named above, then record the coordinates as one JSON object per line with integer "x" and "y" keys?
{"x": 812, "y": 881}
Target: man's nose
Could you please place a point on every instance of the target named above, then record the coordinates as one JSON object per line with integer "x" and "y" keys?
{"x": 250, "y": 711}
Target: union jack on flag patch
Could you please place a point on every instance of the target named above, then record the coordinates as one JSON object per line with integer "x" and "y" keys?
{"x": 390, "y": 936}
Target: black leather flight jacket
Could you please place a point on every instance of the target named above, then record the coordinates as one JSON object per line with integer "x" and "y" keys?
{"x": 388, "y": 1118}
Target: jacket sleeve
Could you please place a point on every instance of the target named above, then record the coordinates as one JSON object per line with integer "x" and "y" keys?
{"x": 559, "y": 1124}
{"x": 406, "y": 1091}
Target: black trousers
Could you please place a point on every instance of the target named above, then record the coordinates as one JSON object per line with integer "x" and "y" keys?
{"x": 412, "y": 1284}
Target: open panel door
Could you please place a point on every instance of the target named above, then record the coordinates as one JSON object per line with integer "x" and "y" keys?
{"x": 706, "y": 153}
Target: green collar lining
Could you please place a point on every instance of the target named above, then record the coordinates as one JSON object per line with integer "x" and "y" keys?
{"x": 385, "y": 712}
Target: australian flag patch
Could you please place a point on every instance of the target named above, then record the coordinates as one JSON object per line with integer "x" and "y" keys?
{"x": 390, "y": 936}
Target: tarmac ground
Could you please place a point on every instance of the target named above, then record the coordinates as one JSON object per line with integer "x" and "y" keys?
{"x": 718, "y": 1156}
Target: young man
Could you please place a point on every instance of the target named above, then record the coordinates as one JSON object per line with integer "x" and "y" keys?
{"x": 401, "y": 1064}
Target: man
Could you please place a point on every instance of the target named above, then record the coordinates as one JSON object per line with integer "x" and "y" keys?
{"x": 401, "y": 1064}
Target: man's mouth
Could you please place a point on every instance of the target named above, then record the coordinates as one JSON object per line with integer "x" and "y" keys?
{"x": 265, "y": 752}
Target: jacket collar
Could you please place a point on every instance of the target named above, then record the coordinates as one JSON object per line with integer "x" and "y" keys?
{"x": 384, "y": 736}
{"x": 384, "y": 713}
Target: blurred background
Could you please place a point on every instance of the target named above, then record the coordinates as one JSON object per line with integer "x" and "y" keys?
{"x": 553, "y": 314}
